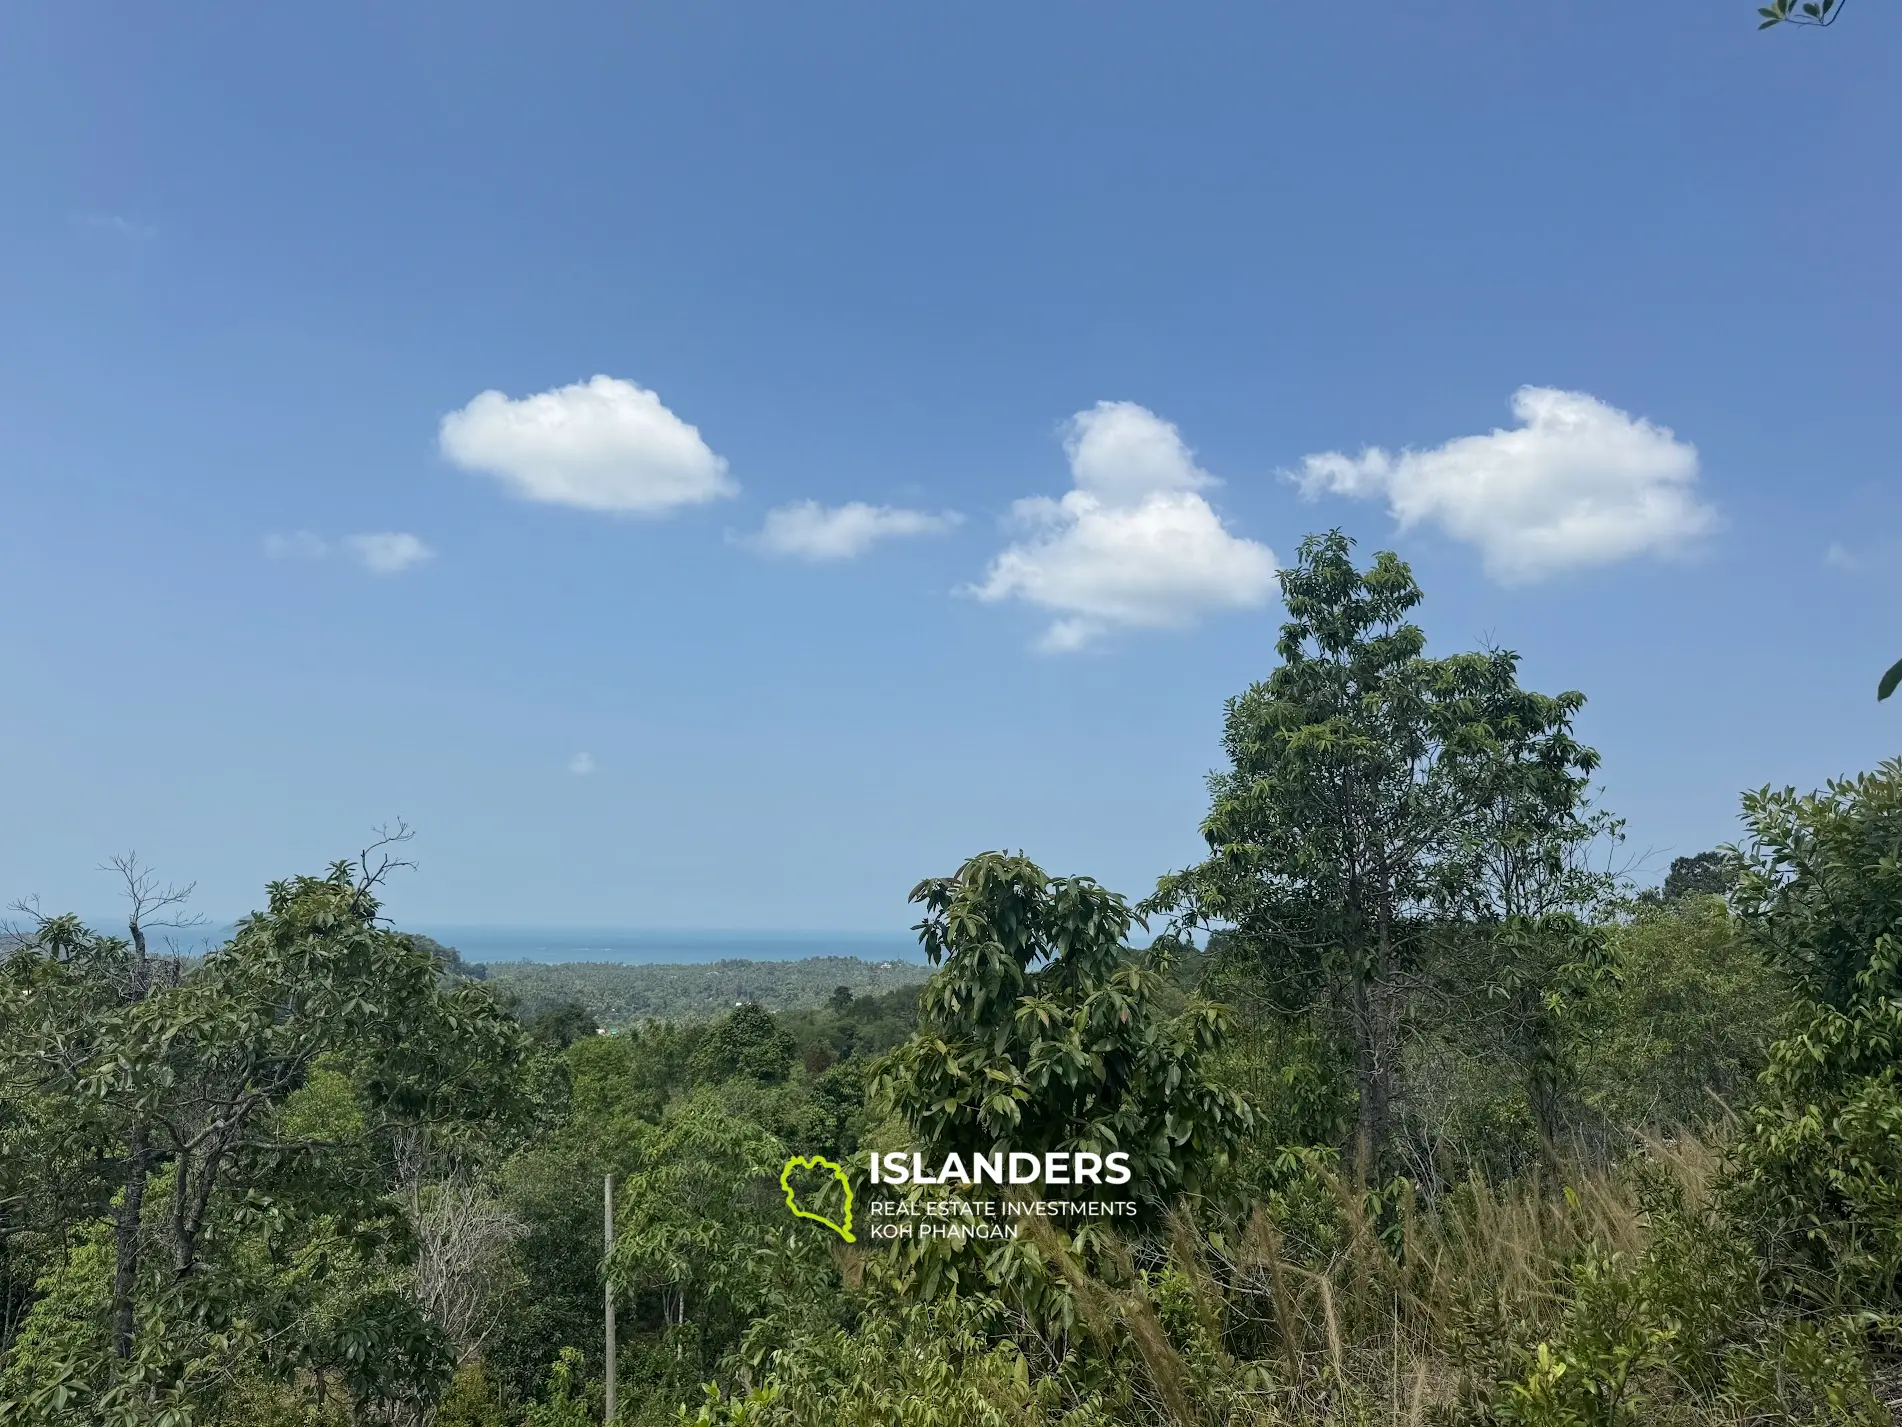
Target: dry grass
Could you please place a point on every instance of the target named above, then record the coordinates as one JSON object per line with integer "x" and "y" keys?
{"x": 1398, "y": 1325}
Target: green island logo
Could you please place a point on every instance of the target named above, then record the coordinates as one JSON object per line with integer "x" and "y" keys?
{"x": 800, "y": 1161}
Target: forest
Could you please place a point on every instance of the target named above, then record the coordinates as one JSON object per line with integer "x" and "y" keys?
{"x": 1433, "y": 1115}
{"x": 618, "y": 996}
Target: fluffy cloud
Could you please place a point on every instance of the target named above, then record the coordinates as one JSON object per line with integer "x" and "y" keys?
{"x": 812, "y": 531}
{"x": 384, "y": 552}
{"x": 603, "y": 444}
{"x": 581, "y": 765}
{"x": 387, "y": 552}
{"x": 1576, "y": 483}
{"x": 1132, "y": 545}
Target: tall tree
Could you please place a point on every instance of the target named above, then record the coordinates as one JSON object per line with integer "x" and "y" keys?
{"x": 1042, "y": 1030}
{"x": 1373, "y": 795}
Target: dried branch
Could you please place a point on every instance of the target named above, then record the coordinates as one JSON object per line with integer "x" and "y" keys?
{"x": 387, "y": 836}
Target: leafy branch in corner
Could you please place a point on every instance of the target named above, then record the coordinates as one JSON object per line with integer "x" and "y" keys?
{"x": 1811, "y": 12}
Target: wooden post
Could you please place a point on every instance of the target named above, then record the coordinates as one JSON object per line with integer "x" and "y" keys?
{"x": 608, "y": 1234}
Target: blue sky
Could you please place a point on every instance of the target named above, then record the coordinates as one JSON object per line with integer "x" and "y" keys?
{"x": 258, "y": 597}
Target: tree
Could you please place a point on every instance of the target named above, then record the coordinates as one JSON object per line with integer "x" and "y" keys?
{"x": 62, "y": 1156}
{"x": 1042, "y": 1031}
{"x": 1373, "y": 796}
{"x": 1707, "y": 874}
{"x": 1682, "y": 1038}
{"x": 255, "y": 1196}
{"x": 1821, "y": 891}
{"x": 694, "y": 1214}
{"x": 82, "y": 974}
{"x": 561, "y": 1025}
{"x": 748, "y": 1043}
{"x": 147, "y": 904}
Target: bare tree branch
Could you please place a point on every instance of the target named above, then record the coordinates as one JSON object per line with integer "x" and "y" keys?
{"x": 389, "y": 835}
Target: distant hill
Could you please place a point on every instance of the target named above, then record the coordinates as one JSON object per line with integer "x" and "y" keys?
{"x": 619, "y": 994}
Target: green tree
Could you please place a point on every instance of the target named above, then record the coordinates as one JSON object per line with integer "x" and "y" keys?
{"x": 1374, "y": 796}
{"x": 1821, "y": 891}
{"x": 1681, "y": 1038}
{"x": 748, "y": 1043}
{"x": 1707, "y": 874}
{"x": 251, "y": 1206}
{"x": 1042, "y": 1031}
{"x": 62, "y": 1156}
{"x": 695, "y": 1213}
{"x": 561, "y": 1025}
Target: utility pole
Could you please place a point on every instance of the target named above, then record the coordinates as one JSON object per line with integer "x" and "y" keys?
{"x": 607, "y": 1221}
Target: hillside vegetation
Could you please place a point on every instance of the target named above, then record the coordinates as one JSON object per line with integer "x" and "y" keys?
{"x": 617, "y": 995}
{"x": 1430, "y": 1116}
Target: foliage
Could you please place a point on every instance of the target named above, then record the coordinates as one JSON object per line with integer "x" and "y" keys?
{"x": 618, "y": 994}
{"x": 1040, "y": 1032}
{"x": 928, "y": 1366}
{"x": 1821, "y": 891}
{"x": 244, "y": 1105}
{"x": 1632, "y": 1161}
{"x": 695, "y": 1211}
{"x": 564, "y": 1404}
{"x": 1680, "y": 1039}
{"x": 1372, "y": 795}
{"x": 1707, "y": 874}
{"x": 1801, "y": 12}
{"x": 748, "y": 1043}
{"x": 1771, "y": 1301}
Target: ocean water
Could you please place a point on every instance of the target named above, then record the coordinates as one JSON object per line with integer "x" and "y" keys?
{"x": 641, "y": 947}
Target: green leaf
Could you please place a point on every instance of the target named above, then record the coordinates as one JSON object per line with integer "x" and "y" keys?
{"x": 1889, "y": 681}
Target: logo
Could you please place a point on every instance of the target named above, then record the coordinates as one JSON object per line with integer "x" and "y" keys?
{"x": 1005, "y": 1167}
{"x": 844, "y": 1231}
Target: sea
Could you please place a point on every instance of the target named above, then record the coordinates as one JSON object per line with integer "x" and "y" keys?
{"x": 633, "y": 946}
{"x": 638, "y": 947}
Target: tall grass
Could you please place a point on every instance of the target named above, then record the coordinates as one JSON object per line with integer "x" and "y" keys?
{"x": 1413, "y": 1316}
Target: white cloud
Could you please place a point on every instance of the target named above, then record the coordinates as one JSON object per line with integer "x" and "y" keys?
{"x": 1132, "y": 545}
{"x": 603, "y": 444}
{"x": 812, "y": 531}
{"x": 581, "y": 765}
{"x": 1576, "y": 483}
{"x": 387, "y": 552}
{"x": 299, "y": 545}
